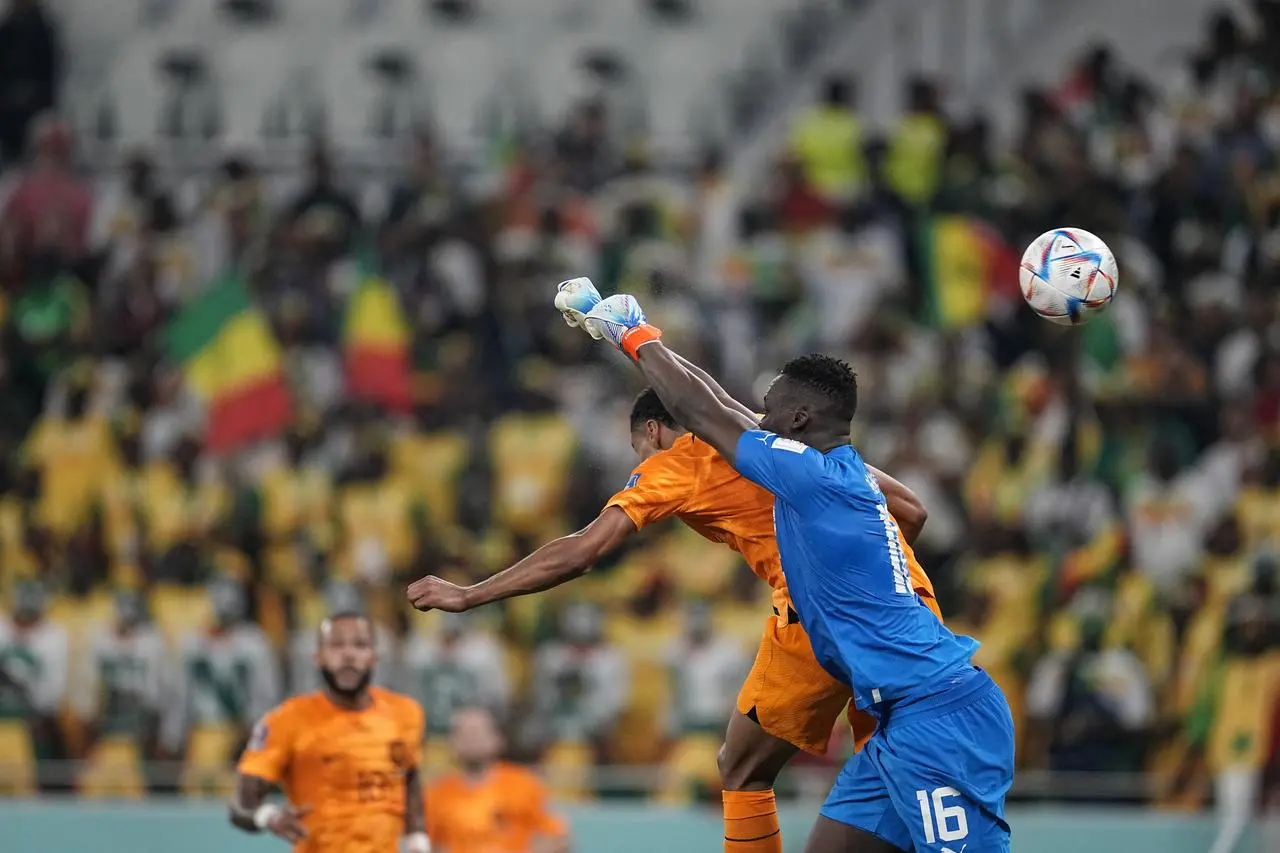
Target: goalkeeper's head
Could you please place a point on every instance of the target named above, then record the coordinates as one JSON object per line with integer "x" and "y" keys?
{"x": 812, "y": 400}
{"x": 652, "y": 427}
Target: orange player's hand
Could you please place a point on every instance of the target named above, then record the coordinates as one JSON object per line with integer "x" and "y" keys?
{"x": 433, "y": 593}
{"x": 287, "y": 823}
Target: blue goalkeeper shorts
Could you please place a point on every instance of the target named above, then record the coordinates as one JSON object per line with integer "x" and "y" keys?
{"x": 933, "y": 779}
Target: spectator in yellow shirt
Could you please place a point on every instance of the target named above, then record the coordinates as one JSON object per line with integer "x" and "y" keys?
{"x": 828, "y": 143}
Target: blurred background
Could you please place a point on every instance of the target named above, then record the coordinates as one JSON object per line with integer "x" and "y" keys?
{"x": 276, "y": 337}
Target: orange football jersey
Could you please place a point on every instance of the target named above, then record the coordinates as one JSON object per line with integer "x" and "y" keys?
{"x": 348, "y": 766}
{"x": 502, "y": 813}
{"x": 692, "y": 481}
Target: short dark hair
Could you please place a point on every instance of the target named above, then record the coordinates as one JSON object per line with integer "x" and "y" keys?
{"x": 343, "y": 616}
{"x": 830, "y": 377}
{"x": 648, "y": 407}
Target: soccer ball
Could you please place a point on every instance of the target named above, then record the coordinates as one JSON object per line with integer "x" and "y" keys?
{"x": 1068, "y": 275}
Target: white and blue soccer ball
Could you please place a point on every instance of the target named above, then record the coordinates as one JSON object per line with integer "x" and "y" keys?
{"x": 1068, "y": 275}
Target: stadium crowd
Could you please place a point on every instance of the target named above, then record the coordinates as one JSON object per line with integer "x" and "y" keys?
{"x": 1104, "y": 501}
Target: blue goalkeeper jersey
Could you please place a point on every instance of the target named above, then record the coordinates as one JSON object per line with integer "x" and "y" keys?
{"x": 848, "y": 576}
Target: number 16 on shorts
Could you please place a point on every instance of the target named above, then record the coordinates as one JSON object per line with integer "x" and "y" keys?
{"x": 943, "y": 822}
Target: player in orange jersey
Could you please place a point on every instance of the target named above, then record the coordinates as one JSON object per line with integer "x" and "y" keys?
{"x": 486, "y": 805}
{"x": 789, "y": 702}
{"x": 346, "y": 756}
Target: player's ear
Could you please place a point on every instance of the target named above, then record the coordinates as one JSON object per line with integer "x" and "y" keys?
{"x": 799, "y": 418}
{"x": 653, "y": 430}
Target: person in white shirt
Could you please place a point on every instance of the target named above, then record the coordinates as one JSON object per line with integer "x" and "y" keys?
{"x": 33, "y": 667}
{"x": 226, "y": 675}
{"x": 122, "y": 693}
{"x": 580, "y": 681}
{"x": 461, "y": 666}
{"x": 707, "y": 672}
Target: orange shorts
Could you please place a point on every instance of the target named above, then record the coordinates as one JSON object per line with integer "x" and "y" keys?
{"x": 792, "y": 697}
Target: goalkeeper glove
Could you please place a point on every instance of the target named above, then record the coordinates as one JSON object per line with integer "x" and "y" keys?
{"x": 620, "y": 321}
{"x": 574, "y": 300}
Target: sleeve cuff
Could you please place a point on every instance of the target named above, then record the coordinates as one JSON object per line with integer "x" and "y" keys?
{"x": 638, "y": 337}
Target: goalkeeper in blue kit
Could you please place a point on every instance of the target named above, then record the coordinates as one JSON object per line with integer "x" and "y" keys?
{"x": 933, "y": 778}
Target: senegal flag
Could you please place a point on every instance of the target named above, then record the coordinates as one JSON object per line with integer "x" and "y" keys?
{"x": 376, "y": 345}
{"x": 966, "y": 264}
{"x": 232, "y": 361}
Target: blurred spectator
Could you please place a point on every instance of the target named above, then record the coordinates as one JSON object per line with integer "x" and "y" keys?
{"x": 1232, "y": 719}
{"x": 421, "y": 205}
{"x": 1168, "y": 513}
{"x": 71, "y": 448}
{"x": 580, "y": 680}
{"x": 1071, "y": 510}
{"x": 913, "y": 164}
{"x": 121, "y": 700}
{"x": 827, "y": 143}
{"x": 1092, "y": 706}
{"x": 461, "y": 667}
{"x": 34, "y": 664}
{"x": 707, "y": 672}
{"x": 380, "y": 521}
{"x": 224, "y": 680}
{"x": 44, "y": 227}
{"x": 586, "y": 156}
{"x": 322, "y": 216}
{"x": 30, "y": 72}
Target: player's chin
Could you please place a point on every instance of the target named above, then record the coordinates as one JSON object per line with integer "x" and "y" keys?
{"x": 351, "y": 680}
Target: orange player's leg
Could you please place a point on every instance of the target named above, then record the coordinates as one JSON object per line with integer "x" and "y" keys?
{"x": 787, "y": 703}
{"x": 750, "y": 761}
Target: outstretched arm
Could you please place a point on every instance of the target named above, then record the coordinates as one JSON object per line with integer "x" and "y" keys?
{"x": 722, "y": 395}
{"x": 694, "y": 405}
{"x": 557, "y": 562}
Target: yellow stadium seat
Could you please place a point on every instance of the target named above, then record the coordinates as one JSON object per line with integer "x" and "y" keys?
{"x": 17, "y": 759}
{"x": 178, "y": 610}
{"x": 640, "y": 638}
{"x": 568, "y": 766}
{"x": 638, "y": 736}
{"x": 692, "y": 764}
{"x": 113, "y": 769}
{"x": 741, "y": 621}
{"x": 650, "y": 687}
{"x": 208, "y": 770}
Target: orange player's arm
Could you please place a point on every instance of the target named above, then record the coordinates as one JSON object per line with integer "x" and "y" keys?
{"x": 904, "y": 505}
{"x": 722, "y": 395}
{"x": 415, "y": 813}
{"x": 548, "y": 832}
{"x": 415, "y": 818}
{"x": 557, "y": 562}
{"x": 261, "y": 768}
{"x": 250, "y": 812}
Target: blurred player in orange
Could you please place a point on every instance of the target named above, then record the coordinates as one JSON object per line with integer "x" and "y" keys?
{"x": 486, "y": 805}
{"x": 346, "y": 757}
{"x": 789, "y": 702}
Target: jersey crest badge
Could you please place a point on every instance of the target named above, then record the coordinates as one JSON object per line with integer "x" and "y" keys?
{"x": 635, "y": 478}
{"x": 258, "y": 737}
{"x": 398, "y": 753}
